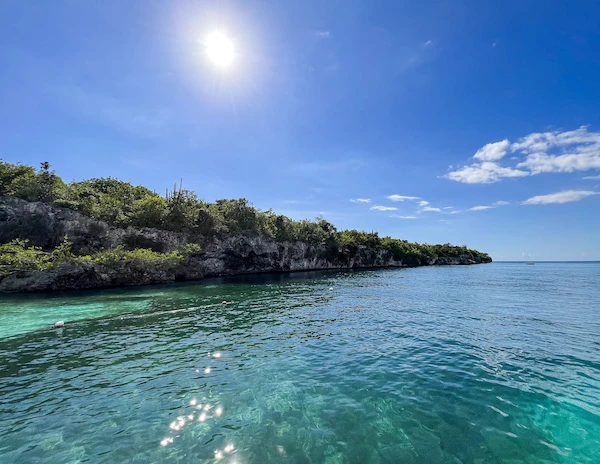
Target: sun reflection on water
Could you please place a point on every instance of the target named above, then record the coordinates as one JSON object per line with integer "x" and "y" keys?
{"x": 203, "y": 409}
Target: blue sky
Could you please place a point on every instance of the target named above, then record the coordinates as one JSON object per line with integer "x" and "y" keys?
{"x": 456, "y": 105}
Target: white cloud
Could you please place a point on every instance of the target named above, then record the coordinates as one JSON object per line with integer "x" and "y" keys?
{"x": 592, "y": 177}
{"x": 429, "y": 208}
{"x": 484, "y": 173}
{"x": 448, "y": 207}
{"x": 480, "y": 208}
{"x": 455, "y": 211}
{"x": 428, "y": 43}
{"x": 383, "y": 208}
{"x": 501, "y": 203}
{"x": 361, "y": 200}
{"x": 401, "y": 198}
{"x": 423, "y": 203}
{"x": 403, "y": 217}
{"x": 568, "y": 151}
{"x": 583, "y": 159}
{"x": 534, "y": 143}
{"x": 493, "y": 151}
{"x": 323, "y": 34}
{"x": 566, "y": 196}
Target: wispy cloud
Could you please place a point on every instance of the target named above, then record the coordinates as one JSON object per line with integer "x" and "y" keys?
{"x": 448, "y": 207}
{"x": 423, "y": 203}
{"x": 456, "y": 211}
{"x": 360, "y": 200}
{"x": 569, "y": 151}
{"x": 592, "y": 177}
{"x": 401, "y": 198}
{"x": 565, "y": 196}
{"x": 494, "y": 205}
{"x": 397, "y": 216}
{"x": 323, "y": 34}
{"x": 428, "y": 43}
{"x": 383, "y": 208}
{"x": 429, "y": 208}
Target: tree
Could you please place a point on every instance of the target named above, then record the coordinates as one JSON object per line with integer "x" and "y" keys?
{"x": 13, "y": 174}
{"x": 149, "y": 211}
{"x": 182, "y": 209}
{"x": 205, "y": 223}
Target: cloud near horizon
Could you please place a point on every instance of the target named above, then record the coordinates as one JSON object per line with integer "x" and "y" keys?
{"x": 430, "y": 208}
{"x": 569, "y": 151}
{"x": 565, "y": 196}
{"x": 492, "y": 206}
{"x": 383, "y": 208}
{"x": 401, "y": 198}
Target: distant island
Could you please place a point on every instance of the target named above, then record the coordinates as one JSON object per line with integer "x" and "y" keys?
{"x": 104, "y": 232}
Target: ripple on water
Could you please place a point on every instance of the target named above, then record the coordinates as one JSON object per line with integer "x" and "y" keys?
{"x": 424, "y": 365}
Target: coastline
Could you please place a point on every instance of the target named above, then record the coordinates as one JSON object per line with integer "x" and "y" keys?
{"x": 50, "y": 248}
{"x": 73, "y": 276}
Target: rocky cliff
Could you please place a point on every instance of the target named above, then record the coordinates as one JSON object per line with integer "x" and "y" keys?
{"x": 46, "y": 225}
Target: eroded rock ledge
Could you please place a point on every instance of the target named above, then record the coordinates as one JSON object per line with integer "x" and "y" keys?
{"x": 45, "y": 225}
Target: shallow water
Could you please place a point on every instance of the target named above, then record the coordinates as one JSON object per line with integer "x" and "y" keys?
{"x": 495, "y": 363}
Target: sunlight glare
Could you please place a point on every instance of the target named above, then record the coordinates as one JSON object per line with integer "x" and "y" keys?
{"x": 219, "y": 49}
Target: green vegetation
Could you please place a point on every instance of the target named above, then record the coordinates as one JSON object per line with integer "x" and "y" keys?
{"x": 18, "y": 256}
{"x": 122, "y": 204}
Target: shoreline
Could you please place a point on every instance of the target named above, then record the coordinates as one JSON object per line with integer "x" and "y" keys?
{"x": 46, "y": 248}
{"x": 59, "y": 283}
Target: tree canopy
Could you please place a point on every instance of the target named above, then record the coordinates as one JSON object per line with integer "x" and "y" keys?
{"x": 123, "y": 204}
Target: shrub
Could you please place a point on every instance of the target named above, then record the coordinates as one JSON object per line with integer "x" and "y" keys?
{"x": 17, "y": 256}
{"x": 122, "y": 204}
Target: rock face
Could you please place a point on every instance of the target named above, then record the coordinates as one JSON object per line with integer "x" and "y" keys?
{"x": 46, "y": 225}
{"x": 83, "y": 275}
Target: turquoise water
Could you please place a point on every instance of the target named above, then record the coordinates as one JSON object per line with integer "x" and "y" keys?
{"x": 494, "y": 363}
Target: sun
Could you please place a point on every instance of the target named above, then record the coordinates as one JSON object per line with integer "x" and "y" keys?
{"x": 219, "y": 49}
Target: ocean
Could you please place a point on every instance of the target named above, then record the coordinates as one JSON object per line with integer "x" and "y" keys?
{"x": 496, "y": 363}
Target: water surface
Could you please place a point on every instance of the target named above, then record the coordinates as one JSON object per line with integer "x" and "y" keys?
{"x": 495, "y": 363}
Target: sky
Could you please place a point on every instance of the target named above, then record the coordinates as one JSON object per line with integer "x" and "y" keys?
{"x": 466, "y": 122}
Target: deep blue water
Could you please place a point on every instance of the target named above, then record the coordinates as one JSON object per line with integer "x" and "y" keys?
{"x": 494, "y": 363}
